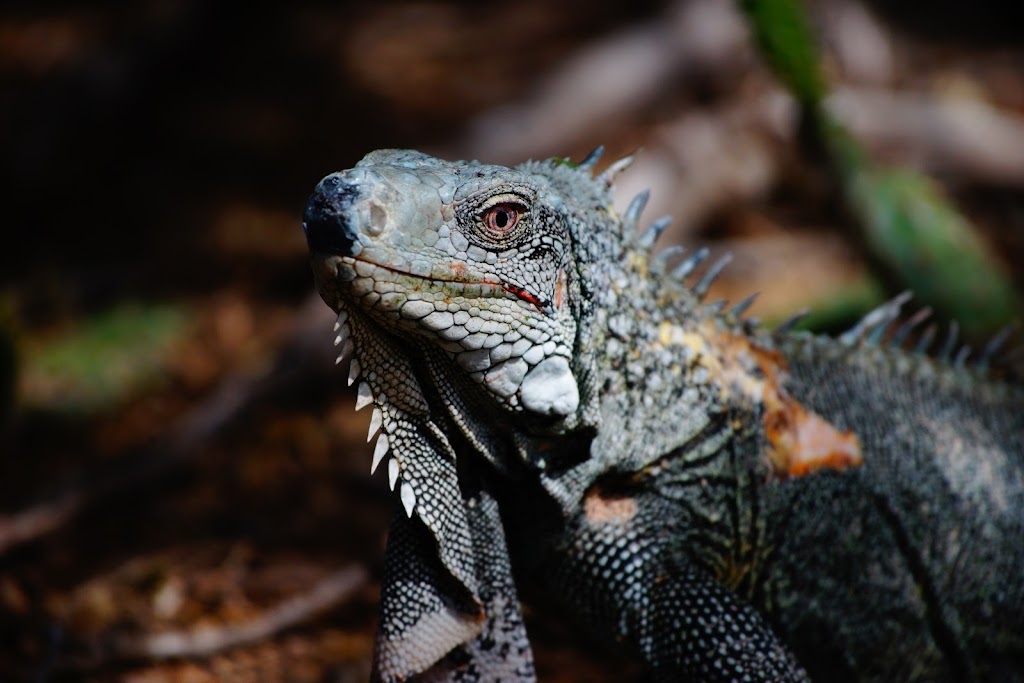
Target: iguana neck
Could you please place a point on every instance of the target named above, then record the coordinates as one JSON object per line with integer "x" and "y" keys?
{"x": 674, "y": 375}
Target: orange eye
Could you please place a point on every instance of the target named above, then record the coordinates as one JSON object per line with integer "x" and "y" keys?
{"x": 501, "y": 218}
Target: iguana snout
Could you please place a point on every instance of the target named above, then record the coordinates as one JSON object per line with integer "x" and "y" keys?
{"x": 326, "y": 222}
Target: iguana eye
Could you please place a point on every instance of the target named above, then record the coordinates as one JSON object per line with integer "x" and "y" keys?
{"x": 501, "y": 219}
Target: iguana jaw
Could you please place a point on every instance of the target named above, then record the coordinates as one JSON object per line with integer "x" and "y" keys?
{"x": 459, "y": 284}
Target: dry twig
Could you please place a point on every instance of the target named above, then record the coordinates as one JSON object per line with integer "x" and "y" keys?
{"x": 209, "y": 640}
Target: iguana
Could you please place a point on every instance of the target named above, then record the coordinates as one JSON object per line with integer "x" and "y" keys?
{"x": 562, "y": 414}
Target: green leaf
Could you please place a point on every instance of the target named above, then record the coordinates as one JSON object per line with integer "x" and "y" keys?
{"x": 102, "y": 361}
{"x": 784, "y": 35}
{"x": 931, "y": 247}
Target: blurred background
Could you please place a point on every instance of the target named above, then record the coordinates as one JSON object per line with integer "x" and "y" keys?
{"x": 184, "y": 485}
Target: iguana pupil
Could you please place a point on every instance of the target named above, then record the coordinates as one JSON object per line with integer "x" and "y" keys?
{"x": 501, "y": 218}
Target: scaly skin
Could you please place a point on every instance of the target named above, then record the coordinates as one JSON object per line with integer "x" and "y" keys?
{"x": 728, "y": 503}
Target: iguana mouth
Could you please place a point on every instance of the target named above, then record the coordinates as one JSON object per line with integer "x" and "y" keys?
{"x": 332, "y": 229}
{"x": 488, "y": 288}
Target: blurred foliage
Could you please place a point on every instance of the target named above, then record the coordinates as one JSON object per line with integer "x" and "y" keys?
{"x": 104, "y": 360}
{"x": 924, "y": 241}
{"x": 784, "y": 35}
{"x": 913, "y": 234}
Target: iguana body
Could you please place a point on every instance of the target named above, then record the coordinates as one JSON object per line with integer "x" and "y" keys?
{"x": 729, "y": 503}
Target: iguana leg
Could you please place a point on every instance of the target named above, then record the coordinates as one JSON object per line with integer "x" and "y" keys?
{"x": 625, "y": 569}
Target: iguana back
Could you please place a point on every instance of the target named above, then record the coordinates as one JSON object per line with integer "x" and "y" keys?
{"x": 910, "y": 566}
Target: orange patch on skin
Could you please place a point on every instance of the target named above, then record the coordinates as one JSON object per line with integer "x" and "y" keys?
{"x": 601, "y": 510}
{"x": 560, "y": 286}
{"x": 800, "y": 441}
{"x": 524, "y": 295}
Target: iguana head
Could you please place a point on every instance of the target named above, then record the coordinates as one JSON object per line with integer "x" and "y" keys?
{"x": 472, "y": 260}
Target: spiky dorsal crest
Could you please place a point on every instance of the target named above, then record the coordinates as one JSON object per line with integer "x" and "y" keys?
{"x": 885, "y": 325}
{"x": 590, "y": 161}
{"x": 609, "y": 175}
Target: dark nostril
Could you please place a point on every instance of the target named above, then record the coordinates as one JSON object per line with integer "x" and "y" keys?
{"x": 326, "y": 219}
